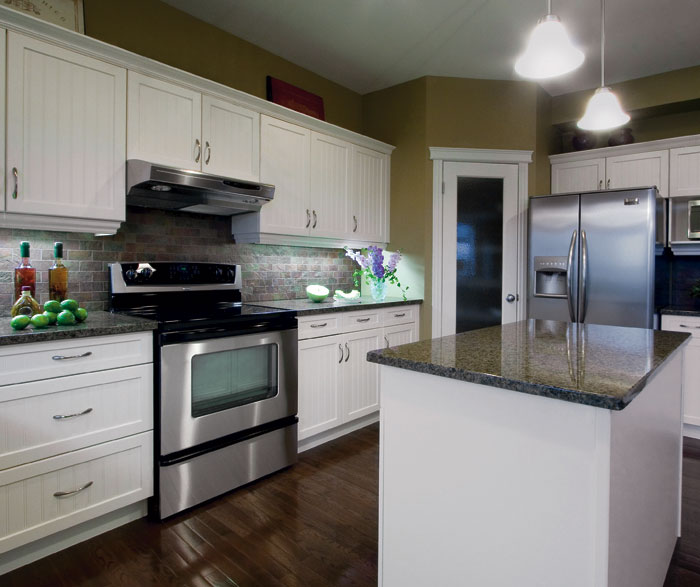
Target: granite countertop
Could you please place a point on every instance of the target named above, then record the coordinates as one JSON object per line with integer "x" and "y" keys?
{"x": 681, "y": 311}
{"x": 305, "y": 307}
{"x": 601, "y": 366}
{"x": 98, "y": 324}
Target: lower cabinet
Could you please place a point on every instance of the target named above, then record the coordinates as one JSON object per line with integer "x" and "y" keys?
{"x": 336, "y": 383}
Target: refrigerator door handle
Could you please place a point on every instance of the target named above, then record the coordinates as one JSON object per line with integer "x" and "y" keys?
{"x": 584, "y": 276}
{"x": 570, "y": 276}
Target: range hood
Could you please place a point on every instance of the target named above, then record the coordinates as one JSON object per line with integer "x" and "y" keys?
{"x": 156, "y": 186}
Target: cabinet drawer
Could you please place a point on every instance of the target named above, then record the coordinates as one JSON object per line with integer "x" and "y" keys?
{"x": 323, "y": 325}
{"x": 689, "y": 324}
{"x": 108, "y": 476}
{"x": 34, "y": 361}
{"x": 400, "y": 315}
{"x": 353, "y": 321}
{"x": 45, "y": 418}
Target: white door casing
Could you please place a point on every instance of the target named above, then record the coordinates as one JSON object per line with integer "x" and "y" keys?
{"x": 448, "y": 165}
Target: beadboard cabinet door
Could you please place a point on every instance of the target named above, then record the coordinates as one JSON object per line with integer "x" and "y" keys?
{"x": 231, "y": 140}
{"x": 578, "y": 176}
{"x": 638, "y": 170}
{"x": 330, "y": 184}
{"x": 400, "y": 334}
{"x": 3, "y": 73}
{"x": 360, "y": 378}
{"x": 164, "y": 123}
{"x": 684, "y": 176}
{"x": 285, "y": 153}
{"x": 369, "y": 201}
{"x": 66, "y": 126}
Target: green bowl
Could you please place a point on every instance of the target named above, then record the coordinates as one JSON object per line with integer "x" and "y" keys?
{"x": 317, "y": 293}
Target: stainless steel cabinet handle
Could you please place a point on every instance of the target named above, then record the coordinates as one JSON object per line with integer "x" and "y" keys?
{"x": 15, "y": 191}
{"x": 197, "y": 150}
{"x": 401, "y": 315}
{"x": 62, "y": 417}
{"x": 584, "y": 277}
{"x": 570, "y": 276}
{"x": 386, "y": 340}
{"x": 315, "y": 218}
{"x": 354, "y": 219}
{"x": 70, "y": 357}
{"x": 308, "y": 219}
{"x": 607, "y": 185}
{"x": 340, "y": 347}
{"x": 686, "y": 326}
{"x": 600, "y": 184}
{"x": 207, "y": 148}
{"x": 347, "y": 348}
{"x": 67, "y": 493}
{"x": 362, "y": 319}
{"x": 319, "y": 325}
{"x": 510, "y": 298}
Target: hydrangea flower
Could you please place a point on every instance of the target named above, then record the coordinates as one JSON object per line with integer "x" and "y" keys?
{"x": 372, "y": 267}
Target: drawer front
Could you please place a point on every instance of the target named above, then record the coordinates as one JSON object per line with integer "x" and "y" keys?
{"x": 354, "y": 321}
{"x": 44, "y": 360}
{"x": 45, "y": 418}
{"x": 54, "y": 494}
{"x": 400, "y": 315}
{"x": 689, "y": 324}
{"x": 323, "y": 325}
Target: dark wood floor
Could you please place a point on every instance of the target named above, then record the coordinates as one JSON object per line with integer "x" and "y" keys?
{"x": 312, "y": 525}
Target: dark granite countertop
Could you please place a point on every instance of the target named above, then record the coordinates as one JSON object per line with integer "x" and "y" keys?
{"x": 97, "y": 324}
{"x": 601, "y": 366}
{"x": 681, "y": 311}
{"x": 305, "y": 307}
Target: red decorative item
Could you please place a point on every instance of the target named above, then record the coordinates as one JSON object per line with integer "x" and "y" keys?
{"x": 295, "y": 98}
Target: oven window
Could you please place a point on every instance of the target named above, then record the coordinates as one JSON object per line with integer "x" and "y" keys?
{"x": 233, "y": 378}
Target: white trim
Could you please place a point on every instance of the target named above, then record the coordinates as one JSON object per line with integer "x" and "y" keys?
{"x": 267, "y": 238}
{"x": 661, "y": 144}
{"x": 439, "y": 155}
{"x": 691, "y": 431}
{"x": 28, "y": 25}
{"x": 480, "y": 155}
{"x": 60, "y": 223}
{"x": 337, "y": 432}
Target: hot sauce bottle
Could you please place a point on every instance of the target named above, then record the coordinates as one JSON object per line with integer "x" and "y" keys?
{"x": 58, "y": 275}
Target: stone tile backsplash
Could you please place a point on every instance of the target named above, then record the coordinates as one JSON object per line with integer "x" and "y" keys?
{"x": 270, "y": 272}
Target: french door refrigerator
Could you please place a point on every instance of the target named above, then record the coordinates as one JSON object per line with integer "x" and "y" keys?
{"x": 592, "y": 256}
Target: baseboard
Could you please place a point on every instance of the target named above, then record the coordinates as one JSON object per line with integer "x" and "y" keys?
{"x": 341, "y": 430}
{"x": 33, "y": 551}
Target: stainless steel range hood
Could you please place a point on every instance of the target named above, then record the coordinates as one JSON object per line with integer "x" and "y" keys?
{"x": 156, "y": 186}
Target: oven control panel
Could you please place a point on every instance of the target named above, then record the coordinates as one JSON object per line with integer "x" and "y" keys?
{"x": 164, "y": 274}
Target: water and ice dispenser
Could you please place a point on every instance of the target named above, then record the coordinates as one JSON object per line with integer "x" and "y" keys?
{"x": 550, "y": 277}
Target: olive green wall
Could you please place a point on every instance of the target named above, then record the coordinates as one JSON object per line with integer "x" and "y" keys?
{"x": 156, "y": 30}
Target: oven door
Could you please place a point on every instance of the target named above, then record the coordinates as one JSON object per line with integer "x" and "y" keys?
{"x": 212, "y": 388}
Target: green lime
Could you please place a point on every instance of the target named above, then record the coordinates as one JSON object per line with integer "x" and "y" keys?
{"x": 20, "y": 322}
{"x": 80, "y": 314}
{"x": 66, "y": 318}
{"x": 52, "y": 306}
{"x": 70, "y": 305}
{"x": 51, "y": 316}
{"x": 40, "y": 321}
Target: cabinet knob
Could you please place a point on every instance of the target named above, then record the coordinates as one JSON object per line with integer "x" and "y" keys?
{"x": 15, "y": 191}
{"x": 207, "y": 148}
{"x": 197, "y": 150}
{"x": 340, "y": 347}
{"x": 510, "y": 298}
{"x": 608, "y": 184}
{"x": 600, "y": 184}
{"x": 308, "y": 218}
{"x": 315, "y": 218}
{"x": 386, "y": 340}
{"x": 347, "y": 348}
{"x": 354, "y": 219}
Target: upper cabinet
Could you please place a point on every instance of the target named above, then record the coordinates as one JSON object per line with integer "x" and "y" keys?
{"x": 685, "y": 171}
{"x": 369, "y": 201}
{"x": 179, "y": 127}
{"x": 330, "y": 186}
{"x": 638, "y": 170}
{"x": 578, "y": 176}
{"x": 66, "y": 138}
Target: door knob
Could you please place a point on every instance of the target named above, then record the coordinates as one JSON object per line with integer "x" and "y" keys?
{"x": 510, "y": 298}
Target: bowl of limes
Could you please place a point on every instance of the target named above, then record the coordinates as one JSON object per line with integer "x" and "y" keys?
{"x": 65, "y": 313}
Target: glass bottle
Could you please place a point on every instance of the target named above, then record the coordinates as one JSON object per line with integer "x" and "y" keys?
{"x": 58, "y": 275}
{"x": 26, "y": 304}
{"x": 25, "y": 274}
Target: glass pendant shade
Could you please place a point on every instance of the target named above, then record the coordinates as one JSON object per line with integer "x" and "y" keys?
{"x": 549, "y": 51}
{"x": 603, "y": 111}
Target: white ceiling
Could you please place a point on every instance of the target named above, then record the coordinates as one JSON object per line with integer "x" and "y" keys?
{"x": 367, "y": 45}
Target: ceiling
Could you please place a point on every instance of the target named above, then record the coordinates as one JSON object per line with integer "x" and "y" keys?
{"x": 367, "y": 45}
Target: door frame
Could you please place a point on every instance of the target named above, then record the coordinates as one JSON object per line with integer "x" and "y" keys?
{"x": 442, "y": 155}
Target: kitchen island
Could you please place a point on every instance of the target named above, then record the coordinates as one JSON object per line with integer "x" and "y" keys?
{"x": 537, "y": 453}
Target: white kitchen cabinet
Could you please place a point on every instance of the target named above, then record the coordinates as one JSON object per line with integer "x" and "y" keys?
{"x": 400, "y": 334}
{"x": 3, "y": 74}
{"x": 330, "y": 186}
{"x": 638, "y": 170}
{"x": 164, "y": 123}
{"x": 360, "y": 378}
{"x": 578, "y": 176}
{"x": 369, "y": 202}
{"x": 684, "y": 174}
{"x": 231, "y": 139}
{"x": 66, "y": 133}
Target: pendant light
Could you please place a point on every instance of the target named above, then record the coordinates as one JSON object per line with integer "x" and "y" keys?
{"x": 549, "y": 50}
{"x": 603, "y": 111}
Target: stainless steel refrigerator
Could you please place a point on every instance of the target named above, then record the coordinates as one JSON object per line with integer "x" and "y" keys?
{"x": 592, "y": 256}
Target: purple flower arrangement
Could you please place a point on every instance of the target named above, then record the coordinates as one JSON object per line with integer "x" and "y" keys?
{"x": 372, "y": 267}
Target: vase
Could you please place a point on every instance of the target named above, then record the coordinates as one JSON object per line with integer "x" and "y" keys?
{"x": 378, "y": 290}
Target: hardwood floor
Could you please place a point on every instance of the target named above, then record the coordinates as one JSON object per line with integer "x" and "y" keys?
{"x": 314, "y": 524}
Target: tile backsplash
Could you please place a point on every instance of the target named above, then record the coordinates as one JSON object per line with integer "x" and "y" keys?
{"x": 270, "y": 272}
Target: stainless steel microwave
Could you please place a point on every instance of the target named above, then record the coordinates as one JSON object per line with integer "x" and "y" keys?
{"x": 694, "y": 219}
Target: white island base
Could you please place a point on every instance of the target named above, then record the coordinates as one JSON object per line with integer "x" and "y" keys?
{"x": 491, "y": 487}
